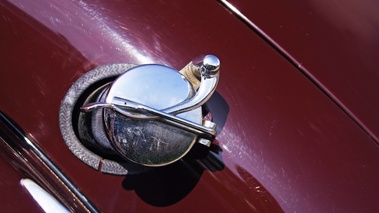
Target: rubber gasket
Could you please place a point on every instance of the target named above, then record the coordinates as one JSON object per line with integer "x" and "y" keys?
{"x": 66, "y": 113}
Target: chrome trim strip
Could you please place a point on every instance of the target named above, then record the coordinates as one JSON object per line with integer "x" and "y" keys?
{"x": 45, "y": 200}
{"x": 45, "y": 159}
{"x": 260, "y": 32}
{"x": 299, "y": 66}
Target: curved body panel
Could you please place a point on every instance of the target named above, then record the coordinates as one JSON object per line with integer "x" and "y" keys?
{"x": 334, "y": 43}
{"x": 283, "y": 145}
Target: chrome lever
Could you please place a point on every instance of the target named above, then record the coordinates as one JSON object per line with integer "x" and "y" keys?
{"x": 208, "y": 68}
{"x": 152, "y": 114}
{"x": 123, "y": 105}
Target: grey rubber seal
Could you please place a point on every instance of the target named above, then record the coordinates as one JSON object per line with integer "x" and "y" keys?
{"x": 66, "y": 112}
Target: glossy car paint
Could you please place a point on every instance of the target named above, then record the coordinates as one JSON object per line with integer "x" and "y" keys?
{"x": 283, "y": 144}
{"x": 30, "y": 162}
{"x": 333, "y": 42}
{"x": 11, "y": 189}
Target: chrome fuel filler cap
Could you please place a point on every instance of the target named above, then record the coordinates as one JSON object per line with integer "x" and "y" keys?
{"x": 149, "y": 116}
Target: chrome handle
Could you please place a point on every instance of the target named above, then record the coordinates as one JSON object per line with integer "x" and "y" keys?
{"x": 209, "y": 69}
{"x": 152, "y": 123}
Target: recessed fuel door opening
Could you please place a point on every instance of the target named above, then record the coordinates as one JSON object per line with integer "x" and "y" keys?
{"x": 149, "y": 116}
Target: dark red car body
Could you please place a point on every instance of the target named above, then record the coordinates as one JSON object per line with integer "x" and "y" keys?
{"x": 296, "y": 107}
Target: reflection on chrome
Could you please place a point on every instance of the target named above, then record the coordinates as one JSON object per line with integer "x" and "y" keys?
{"x": 47, "y": 202}
{"x": 153, "y": 113}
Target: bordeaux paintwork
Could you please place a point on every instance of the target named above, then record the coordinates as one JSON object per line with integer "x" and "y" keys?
{"x": 10, "y": 182}
{"x": 335, "y": 43}
{"x": 27, "y": 159}
{"x": 285, "y": 146}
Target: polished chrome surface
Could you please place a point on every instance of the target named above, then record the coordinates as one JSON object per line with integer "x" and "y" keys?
{"x": 148, "y": 84}
{"x": 209, "y": 69}
{"x": 45, "y": 200}
{"x": 124, "y": 106}
{"x": 153, "y": 115}
{"x": 210, "y": 73}
{"x": 147, "y": 142}
{"x": 34, "y": 148}
{"x": 138, "y": 128}
{"x": 210, "y": 66}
